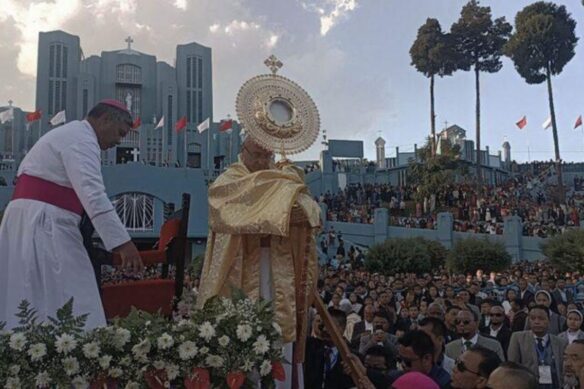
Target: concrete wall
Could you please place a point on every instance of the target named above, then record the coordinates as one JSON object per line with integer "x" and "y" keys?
{"x": 520, "y": 247}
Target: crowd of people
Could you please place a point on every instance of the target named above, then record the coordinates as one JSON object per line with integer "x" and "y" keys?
{"x": 524, "y": 195}
{"x": 520, "y": 328}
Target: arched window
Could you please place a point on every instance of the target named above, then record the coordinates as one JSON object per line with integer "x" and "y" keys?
{"x": 136, "y": 210}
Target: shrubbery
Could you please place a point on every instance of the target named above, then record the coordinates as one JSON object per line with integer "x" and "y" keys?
{"x": 397, "y": 255}
{"x": 469, "y": 255}
{"x": 566, "y": 251}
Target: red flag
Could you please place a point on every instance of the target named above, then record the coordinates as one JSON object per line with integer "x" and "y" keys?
{"x": 578, "y": 122}
{"x": 182, "y": 123}
{"x": 522, "y": 123}
{"x": 137, "y": 123}
{"x": 34, "y": 116}
{"x": 226, "y": 125}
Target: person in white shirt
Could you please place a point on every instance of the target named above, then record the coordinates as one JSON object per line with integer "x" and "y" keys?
{"x": 42, "y": 257}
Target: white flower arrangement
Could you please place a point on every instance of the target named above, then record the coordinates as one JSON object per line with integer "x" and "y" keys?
{"x": 229, "y": 341}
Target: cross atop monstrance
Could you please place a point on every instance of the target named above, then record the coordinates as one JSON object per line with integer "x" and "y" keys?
{"x": 273, "y": 63}
{"x": 129, "y": 41}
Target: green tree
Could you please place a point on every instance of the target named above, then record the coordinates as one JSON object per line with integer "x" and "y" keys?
{"x": 542, "y": 44}
{"x": 469, "y": 255}
{"x": 566, "y": 251}
{"x": 412, "y": 255}
{"x": 479, "y": 41}
{"x": 433, "y": 173}
{"x": 433, "y": 53}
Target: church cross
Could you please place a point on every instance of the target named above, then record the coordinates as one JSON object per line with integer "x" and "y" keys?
{"x": 129, "y": 41}
{"x": 446, "y": 124}
{"x": 273, "y": 63}
{"x": 135, "y": 153}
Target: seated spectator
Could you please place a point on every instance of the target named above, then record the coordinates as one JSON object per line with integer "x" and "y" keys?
{"x": 467, "y": 328}
{"x": 512, "y": 375}
{"x": 473, "y": 368}
{"x": 539, "y": 350}
{"x": 574, "y": 323}
{"x": 416, "y": 353}
{"x": 574, "y": 365}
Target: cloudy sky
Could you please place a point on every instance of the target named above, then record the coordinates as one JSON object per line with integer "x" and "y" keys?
{"x": 352, "y": 56}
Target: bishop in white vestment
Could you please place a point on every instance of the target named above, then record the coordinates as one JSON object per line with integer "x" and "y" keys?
{"x": 42, "y": 257}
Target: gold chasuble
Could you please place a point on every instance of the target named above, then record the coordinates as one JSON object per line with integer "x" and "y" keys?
{"x": 245, "y": 207}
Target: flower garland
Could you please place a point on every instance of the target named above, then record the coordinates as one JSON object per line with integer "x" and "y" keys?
{"x": 230, "y": 343}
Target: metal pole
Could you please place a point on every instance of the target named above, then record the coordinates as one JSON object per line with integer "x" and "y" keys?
{"x": 209, "y": 149}
{"x": 186, "y": 143}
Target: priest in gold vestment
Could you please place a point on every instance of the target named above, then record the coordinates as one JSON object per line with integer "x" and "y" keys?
{"x": 262, "y": 222}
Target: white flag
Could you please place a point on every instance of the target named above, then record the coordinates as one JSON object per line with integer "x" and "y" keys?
{"x": 59, "y": 118}
{"x": 204, "y": 125}
{"x": 545, "y": 125}
{"x": 160, "y": 123}
{"x": 6, "y": 116}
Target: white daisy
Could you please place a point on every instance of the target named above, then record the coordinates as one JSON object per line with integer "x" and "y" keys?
{"x": 203, "y": 350}
{"x": 65, "y": 343}
{"x": 214, "y": 361}
{"x": 17, "y": 341}
{"x": 247, "y": 365}
{"x": 43, "y": 379}
{"x": 206, "y": 331}
{"x": 165, "y": 341}
{"x": 71, "y": 366}
{"x": 261, "y": 345}
{"x": 158, "y": 364}
{"x": 122, "y": 337}
{"x": 265, "y": 368}
{"x": 116, "y": 372}
{"x": 104, "y": 361}
{"x": 243, "y": 332}
{"x": 142, "y": 348}
{"x": 37, "y": 351}
{"x": 12, "y": 383}
{"x": 80, "y": 382}
{"x": 172, "y": 371}
{"x": 224, "y": 341}
{"x": 91, "y": 350}
{"x": 14, "y": 369}
{"x": 187, "y": 350}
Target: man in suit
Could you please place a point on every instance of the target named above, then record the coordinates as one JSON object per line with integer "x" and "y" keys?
{"x": 524, "y": 293}
{"x": 322, "y": 367}
{"x": 436, "y": 329}
{"x": 473, "y": 368}
{"x": 538, "y": 350}
{"x": 364, "y": 327}
{"x": 561, "y": 295}
{"x": 379, "y": 337}
{"x": 467, "y": 328}
{"x": 497, "y": 328}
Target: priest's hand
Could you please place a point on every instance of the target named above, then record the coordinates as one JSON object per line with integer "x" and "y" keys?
{"x": 130, "y": 257}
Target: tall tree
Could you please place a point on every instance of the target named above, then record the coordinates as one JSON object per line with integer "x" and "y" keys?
{"x": 480, "y": 41}
{"x": 542, "y": 44}
{"x": 433, "y": 54}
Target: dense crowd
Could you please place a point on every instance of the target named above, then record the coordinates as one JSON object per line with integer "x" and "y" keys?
{"x": 524, "y": 195}
{"x": 451, "y": 331}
